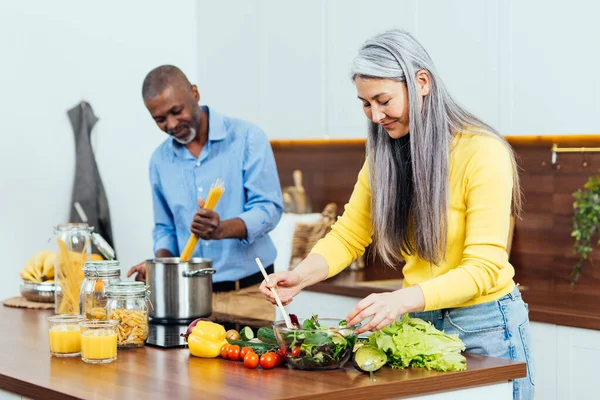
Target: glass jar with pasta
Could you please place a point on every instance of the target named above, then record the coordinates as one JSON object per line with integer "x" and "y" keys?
{"x": 98, "y": 275}
{"x": 74, "y": 249}
{"x": 128, "y": 303}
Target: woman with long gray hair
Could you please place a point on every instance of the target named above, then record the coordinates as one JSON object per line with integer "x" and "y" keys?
{"x": 437, "y": 193}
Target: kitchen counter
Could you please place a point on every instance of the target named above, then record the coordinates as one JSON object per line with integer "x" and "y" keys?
{"x": 569, "y": 308}
{"x": 27, "y": 369}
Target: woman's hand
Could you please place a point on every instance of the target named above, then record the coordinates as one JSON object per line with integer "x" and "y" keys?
{"x": 311, "y": 270}
{"x": 385, "y": 308}
{"x": 286, "y": 283}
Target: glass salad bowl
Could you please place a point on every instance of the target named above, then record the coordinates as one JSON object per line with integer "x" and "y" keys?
{"x": 316, "y": 343}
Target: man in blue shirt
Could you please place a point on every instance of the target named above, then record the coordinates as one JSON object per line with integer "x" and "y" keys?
{"x": 203, "y": 146}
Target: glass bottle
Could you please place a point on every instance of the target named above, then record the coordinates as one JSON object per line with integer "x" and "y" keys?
{"x": 74, "y": 249}
{"x": 98, "y": 275}
{"x": 128, "y": 304}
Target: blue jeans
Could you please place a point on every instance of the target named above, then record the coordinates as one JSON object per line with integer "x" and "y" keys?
{"x": 497, "y": 328}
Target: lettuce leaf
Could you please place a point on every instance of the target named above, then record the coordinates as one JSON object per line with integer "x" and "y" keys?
{"x": 416, "y": 343}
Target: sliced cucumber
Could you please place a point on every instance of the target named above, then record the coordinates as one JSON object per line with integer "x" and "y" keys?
{"x": 246, "y": 333}
{"x": 257, "y": 347}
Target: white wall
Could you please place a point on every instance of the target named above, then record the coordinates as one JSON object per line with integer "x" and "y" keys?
{"x": 54, "y": 54}
{"x": 526, "y": 66}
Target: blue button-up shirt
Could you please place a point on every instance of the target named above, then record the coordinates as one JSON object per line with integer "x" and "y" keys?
{"x": 240, "y": 154}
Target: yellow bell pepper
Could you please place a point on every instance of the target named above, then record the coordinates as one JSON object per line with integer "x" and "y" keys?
{"x": 206, "y": 339}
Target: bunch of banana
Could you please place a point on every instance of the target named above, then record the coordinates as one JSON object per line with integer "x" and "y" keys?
{"x": 40, "y": 267}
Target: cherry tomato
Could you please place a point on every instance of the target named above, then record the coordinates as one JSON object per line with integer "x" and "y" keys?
{"x": 234, "y": 352}
{"x": 224, "y": 351}
{"x": 277, "y": 359}
{"x": 251, "y": 360}
{"x": 267, "y": 360}
{"x": 245, "y": 350}
{"x": 296, "y": 351}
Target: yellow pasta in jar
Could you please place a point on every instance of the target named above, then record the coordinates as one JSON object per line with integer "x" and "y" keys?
{"x": 98, "y": 313}
{"x": 133, "y": 327}
{"x": 69, "y": 276}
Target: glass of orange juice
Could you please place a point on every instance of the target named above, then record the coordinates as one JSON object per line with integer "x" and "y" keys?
{"x": 64, "y": 334}
{"x": 99, "y": 341}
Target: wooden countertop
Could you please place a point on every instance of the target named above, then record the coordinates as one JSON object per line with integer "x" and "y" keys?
{"x": 568, "y": 307}
{"x": 26, "y": 368}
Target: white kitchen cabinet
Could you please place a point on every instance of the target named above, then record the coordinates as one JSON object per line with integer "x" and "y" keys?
{"x": 4, "y": 395}
{"x": 496, "y": 391}
{"x": 544, "y": 347}
{"x": 577, "y": 363}
{"x": 565, "y": 362}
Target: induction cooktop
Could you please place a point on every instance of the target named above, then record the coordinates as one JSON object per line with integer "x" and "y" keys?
{"x": 168, "y": 335}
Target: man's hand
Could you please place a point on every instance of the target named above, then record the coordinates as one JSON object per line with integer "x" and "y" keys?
{"x": 206, "y": 224}
{"x": 140, "y": 269}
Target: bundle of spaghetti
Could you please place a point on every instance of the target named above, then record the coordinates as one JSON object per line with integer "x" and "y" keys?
{"x": 69, "y": 278}
{"x": 215, "y": 193}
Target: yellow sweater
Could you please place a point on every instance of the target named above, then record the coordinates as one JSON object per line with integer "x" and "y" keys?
{"x": 476, "y": 268}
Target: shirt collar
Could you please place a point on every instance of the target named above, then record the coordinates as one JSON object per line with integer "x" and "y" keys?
{"x": 216, "y": 131}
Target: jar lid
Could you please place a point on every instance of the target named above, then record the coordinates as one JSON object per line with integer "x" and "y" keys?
{"x": 127, "y": 288}
{"x": 73, "y": 226}
{"x": 102, "y": 268}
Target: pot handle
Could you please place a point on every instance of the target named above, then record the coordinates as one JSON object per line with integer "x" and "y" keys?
{"x": 198, "y": 272}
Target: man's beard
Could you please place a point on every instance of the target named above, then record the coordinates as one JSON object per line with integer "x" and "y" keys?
{"x": 193, "y": 128}
{"x": 187, "y": 139}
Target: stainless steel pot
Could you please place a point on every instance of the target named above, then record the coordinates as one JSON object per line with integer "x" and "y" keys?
{"x": 179, "y": 291}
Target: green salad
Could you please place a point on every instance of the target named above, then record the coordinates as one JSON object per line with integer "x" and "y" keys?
{"x": 318, "y": 344}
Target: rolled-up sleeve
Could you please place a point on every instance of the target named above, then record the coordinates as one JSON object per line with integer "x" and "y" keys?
{"x": 264, "y": 204}
{"x": 163, "y": 234}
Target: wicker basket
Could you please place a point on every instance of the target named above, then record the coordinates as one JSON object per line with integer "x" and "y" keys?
{"x": 306, "y": 235}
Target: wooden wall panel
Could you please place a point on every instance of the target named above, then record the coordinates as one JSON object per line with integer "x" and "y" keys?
{"x": 542, "y": 251}
{"x": 543, "y": 247}
{"x": 329, "y": 168}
